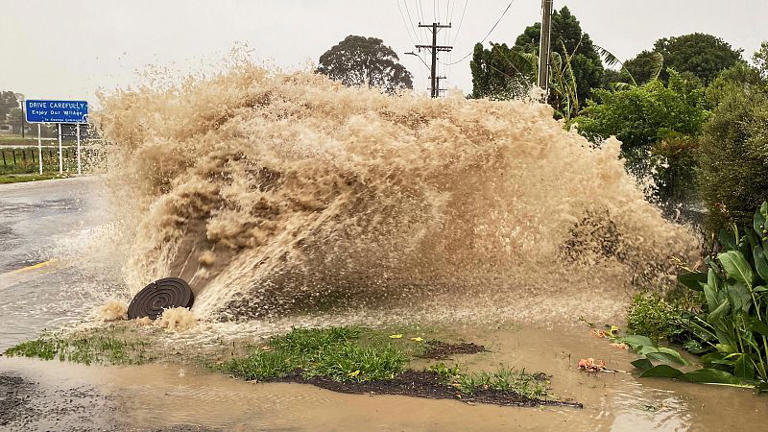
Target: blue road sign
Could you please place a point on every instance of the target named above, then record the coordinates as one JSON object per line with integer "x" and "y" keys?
{"x": 56, "y": 111}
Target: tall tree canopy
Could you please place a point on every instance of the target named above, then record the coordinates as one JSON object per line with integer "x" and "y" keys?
{"x": 360, "y": 60}
{"x": 7, "y": 103}
{"x": 733, "y": 152}
{"x": 575, "y": 64}
{"x": 568, "y": 39}
{"x": 760, "y": 58}
{"x": 500, "y": 72}
{"x": 643, "y": 68}
{"x": 702, "y": 55}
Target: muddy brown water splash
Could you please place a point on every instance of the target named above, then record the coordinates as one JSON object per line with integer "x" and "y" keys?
{"x": 273, "y": 192}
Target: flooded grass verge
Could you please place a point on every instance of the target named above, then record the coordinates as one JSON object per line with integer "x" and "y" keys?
{"x": 352, "y": 360}
{"x": 21, "y": 178}
{"x": 439, "y": 350}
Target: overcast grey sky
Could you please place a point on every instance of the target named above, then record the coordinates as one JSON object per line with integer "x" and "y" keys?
{"x": 68, "y": 49}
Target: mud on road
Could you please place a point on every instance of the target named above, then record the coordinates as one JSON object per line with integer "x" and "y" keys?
{"x": 29, "y": 406}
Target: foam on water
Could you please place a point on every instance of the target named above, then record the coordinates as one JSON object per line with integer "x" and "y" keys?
{"x": 274, "y": 192}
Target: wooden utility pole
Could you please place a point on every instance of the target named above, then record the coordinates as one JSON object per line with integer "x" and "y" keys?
{"x": 434, "y": 49}
{"x": 544, "y": 47}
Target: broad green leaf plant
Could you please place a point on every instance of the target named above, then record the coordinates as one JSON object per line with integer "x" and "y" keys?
{"x": 733, "y": 325}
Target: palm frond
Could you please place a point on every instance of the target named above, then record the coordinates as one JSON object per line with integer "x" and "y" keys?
{"x": 611, "y": 60}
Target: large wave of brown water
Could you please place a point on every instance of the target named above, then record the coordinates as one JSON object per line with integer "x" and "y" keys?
{"x": 274, "y": 192}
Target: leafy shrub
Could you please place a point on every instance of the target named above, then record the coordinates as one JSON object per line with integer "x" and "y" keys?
{"x": 652, "y": 316}
{"x": 657, "y": 126}
{"x": 733, "y": 325}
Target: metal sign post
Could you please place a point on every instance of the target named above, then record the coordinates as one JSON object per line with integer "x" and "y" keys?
{"x": 59, "y": 112}
{"x": 39, "y": 149}
{"x": 61, "y": 156}
{"x": 79, "y": 171}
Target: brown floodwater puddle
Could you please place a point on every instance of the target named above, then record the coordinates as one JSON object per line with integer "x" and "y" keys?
{"x": 157, "y": 397}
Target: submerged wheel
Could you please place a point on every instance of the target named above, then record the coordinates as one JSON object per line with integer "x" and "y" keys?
{"x": 161, "y": 294}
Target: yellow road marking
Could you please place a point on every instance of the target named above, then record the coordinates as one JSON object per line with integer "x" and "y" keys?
{"x": 35, "y": 266}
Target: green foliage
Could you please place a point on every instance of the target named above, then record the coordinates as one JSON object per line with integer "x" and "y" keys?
{"x": 703, "y": 55}
{"x": 501, "y": 72}
{"x": 733, "y": 324}
{"x": 760, "y": 58}
{"x": 733, "y": 152}
{"x": 652, "y": 316}
{"x": 643, "y": 68}
{"x": 16, "y": 119}
{"x": 21, "y": 178}
{"x": 335, "y": 353}
{"x": 731, "y": 81}
{"x": 651, "y": 351}
{"x": 532, "y": 386}
{"x": 8, "y": 102}
{"x": 83, "y": 349}
{"x": 567, "y": 40}
{"x": 657, "y": 126}
{"x": 365, "y": 61}
{"x": 610, "y": 78}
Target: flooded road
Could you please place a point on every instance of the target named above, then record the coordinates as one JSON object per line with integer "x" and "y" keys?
{"x": 41, "y": 283}
{"x": 171, "y": 397}
{"x": 42, "y": 221}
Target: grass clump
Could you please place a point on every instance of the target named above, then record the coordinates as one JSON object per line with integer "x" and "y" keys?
{"x": 20, "y": 178}
{"x": 336, "y": 353}
{"x": 532, "y": 386}
{"x": 83, "y": 349}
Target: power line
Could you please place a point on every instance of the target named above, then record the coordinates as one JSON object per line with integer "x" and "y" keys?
{"x": 489, "y": 32}
{"x": 420, "y": 10}
{"x": 408, "y": 11}
{"x": 461, "y": 20}
{"x": 407, "y": 29}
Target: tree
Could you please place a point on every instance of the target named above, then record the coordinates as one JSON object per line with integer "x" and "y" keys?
{"x": 568, "y": 40}
{"x": 7, "y": 102}
{"x": 734, "y": 158}
{"x": 15, "y": 119}
{"x": 500, "y": 72}
{"x": 657, "y": 126}
{"x": 359, "y": 60}
{"x": 702, "y": 54}
{"x": 733, "y": 153}
{"x": 611, "y": 76}
{"x": 760, "y": 58}
{"x": 733, "y": 80}
{"x": 643, "y": 68}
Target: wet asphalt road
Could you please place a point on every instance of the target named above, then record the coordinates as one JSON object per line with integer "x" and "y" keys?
{"x": 42, "y": 221}
{"x": 51, "y": 222}
{"x": 34, "y": 215}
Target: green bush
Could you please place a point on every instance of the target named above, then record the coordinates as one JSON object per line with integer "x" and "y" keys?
{"x": 733, "y": 155}
{"x": 657, "y": 126}
{"x": 652, "y": 316}
{"x": 731, "y": 328}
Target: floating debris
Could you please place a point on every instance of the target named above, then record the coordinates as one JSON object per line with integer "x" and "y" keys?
{"x": 592, "y": 365}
